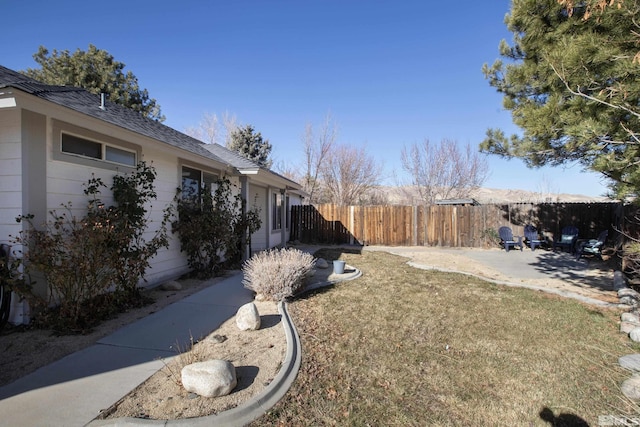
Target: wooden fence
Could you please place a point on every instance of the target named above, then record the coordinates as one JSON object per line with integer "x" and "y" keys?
{"x": 446, "y": 225}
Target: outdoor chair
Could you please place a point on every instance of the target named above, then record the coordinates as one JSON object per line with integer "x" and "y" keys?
{"x": 506, "y": 235}
{"x": 567, "y": 239}
{"x": 593, "y": 246}
{"x": 532, "y": 237}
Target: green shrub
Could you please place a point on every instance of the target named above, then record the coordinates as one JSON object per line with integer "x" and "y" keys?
{"x": 211, "y": 230}
{"x": 278, "y": 273}
{"x": 84, "y": 257}
{"x": 490, "y": 237}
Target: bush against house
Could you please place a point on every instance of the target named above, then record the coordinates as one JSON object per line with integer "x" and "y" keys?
{"x": 84, "y": 257}
{"x": 213, "y": 228}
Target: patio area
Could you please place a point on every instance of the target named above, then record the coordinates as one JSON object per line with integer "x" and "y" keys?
{"x": 540, "y": 269}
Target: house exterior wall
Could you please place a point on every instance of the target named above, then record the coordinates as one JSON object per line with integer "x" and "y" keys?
{"x": 37, "y": 177}
{"x": 10, "y": 172}
{"x": 259, "y": 239}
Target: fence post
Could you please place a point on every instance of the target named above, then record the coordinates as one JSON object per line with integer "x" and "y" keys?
{"x": 351, "y": 225}
{"x": 414, "y": 228}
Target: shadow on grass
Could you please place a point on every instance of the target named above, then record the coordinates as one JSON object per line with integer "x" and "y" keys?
{"x": 562, "y": 420}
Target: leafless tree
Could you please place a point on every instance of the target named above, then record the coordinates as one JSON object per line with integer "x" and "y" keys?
{"x": 214, "y": 130}
{"x": 317, "y": 148}
{"x": 443, "y": 171}
{"x": 348, "y": 173}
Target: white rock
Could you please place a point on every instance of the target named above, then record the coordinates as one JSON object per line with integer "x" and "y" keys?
{"x": 635, "y": 334}
{"x": 322, "y": 263}
{"x": 631, "y": 387}
{"x": 627, "y": 327}
{"x": 248, "y": 318}
{"x": 209, "y": 379}
{"x": 630, "y": 317}
{"x": 630, "y": 362}
{"x": 628, "y": 296}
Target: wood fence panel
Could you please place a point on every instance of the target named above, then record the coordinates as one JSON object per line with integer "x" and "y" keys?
{"x": 446, "y": 225}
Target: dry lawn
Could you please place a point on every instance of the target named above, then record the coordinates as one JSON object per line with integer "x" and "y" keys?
{"x": 402, "y": 346}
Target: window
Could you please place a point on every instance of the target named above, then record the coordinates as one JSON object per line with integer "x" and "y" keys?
{"x": 197, "y": 184}
{"x": 277, "y": 211}
{"x": 72, "y": 144}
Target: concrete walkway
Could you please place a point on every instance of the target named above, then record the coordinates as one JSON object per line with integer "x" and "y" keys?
{"x": 72, "y": 391}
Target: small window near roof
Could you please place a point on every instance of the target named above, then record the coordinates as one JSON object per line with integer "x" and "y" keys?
{"x": 116, "y": 155}
{"x": 74, "y": 145}
{"x": 83, "y": 147}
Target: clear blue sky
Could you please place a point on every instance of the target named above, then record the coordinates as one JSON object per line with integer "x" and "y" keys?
{"x": 391, "y": 73}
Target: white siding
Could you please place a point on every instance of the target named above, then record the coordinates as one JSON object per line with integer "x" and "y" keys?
{"x": 10, "y": 173}
{"x": 62, "y": 181}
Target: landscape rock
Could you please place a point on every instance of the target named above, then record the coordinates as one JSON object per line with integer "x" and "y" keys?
{"x": 248, "y": 318}
{"x": 322, "y": 263}
{"x": 627, "y": 327}
{"x": 209, "y": 379}
{"x": 631, "y": 387}
{"x": 630, "y": 362}
{"x": 619, "y": 280}
{"x": 171, "y": 285}
{"x": 630, "y": 317}
{"x": 635, "y": 334}
{"x": 217, "y": 338}
{"x": 628, "y": 296}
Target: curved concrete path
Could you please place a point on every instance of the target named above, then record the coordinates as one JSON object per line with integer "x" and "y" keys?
{"x": 73, "y": 390}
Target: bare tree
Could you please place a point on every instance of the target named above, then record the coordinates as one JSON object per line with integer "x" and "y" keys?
{"x": 443, "y": 171}
{"x": 230, "y": 124}
{"x": 317, "y": 149}
{"x": 348, "y": 174}
{"x": 213, "y": 130}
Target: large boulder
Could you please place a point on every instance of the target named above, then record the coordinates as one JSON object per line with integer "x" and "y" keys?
{"x": 209, "y": 379}
{"x": 248, "y": 318}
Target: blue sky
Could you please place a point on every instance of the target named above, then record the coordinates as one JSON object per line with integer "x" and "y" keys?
{"x": 390, "y": 73}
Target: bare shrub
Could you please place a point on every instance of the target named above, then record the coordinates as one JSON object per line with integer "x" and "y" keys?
{"x": 278, "y": 273}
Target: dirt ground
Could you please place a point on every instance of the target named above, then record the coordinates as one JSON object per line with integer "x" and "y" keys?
{"x": 25, "y": 350}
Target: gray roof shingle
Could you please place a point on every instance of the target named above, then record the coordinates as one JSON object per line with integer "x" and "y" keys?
{"x": 82, "y": 101}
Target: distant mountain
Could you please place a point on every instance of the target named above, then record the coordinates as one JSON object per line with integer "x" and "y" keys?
{"x": 403, "y": 195}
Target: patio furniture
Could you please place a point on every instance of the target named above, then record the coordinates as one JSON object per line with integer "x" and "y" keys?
{"x": 532, "y": 237}
{"x": 593, "y": 246}
{"x": 506, "y": 235}
{"x": 567, "y": 239}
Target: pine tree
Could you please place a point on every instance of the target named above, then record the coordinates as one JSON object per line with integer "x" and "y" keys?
{"x": 96, "y": 71}
{"x": 246, "y": 142}
{"x": 571, "y": 81}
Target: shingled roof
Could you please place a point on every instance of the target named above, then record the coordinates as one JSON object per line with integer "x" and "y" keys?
{"x": 82, "y": 101}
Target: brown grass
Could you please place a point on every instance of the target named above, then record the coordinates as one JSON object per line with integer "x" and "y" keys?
{"x": 401, "y": 346}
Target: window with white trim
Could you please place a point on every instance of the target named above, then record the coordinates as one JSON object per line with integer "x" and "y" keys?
{"x": 277, "y": 211}
{"x": 196, "y": 184}
{"x": 78, "y": 146}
